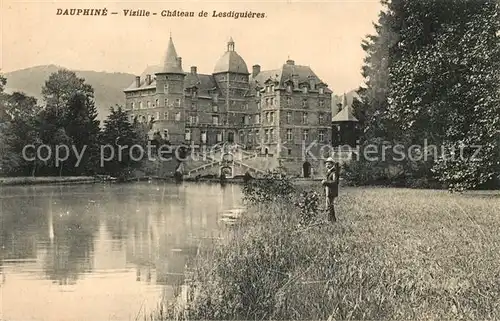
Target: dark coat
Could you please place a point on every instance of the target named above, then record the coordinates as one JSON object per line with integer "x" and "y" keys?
{"x": 332, "y": 183}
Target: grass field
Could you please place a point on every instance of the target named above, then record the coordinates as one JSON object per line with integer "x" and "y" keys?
{"x": 393, "y": 254}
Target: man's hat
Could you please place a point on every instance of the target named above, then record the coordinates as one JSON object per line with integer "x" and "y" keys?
{"x": 329, "y": 160}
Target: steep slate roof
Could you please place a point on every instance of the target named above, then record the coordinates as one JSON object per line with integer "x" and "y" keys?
{"x": 284, "y": 74}
{"x": 203, "y": 82}
{"x": 346, "y": 113}
{"x": 231, "y": 61}
{"x": 171, "y": 63}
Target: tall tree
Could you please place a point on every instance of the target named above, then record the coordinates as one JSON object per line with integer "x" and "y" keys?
{"x": 446, "y": 87}
{"x": 60, "y": 88}
{"x": 119, "y": 135}
{"x": 83, "y": 127}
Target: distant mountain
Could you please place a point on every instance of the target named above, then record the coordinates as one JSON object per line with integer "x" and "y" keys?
{"x": 108, "y": 87}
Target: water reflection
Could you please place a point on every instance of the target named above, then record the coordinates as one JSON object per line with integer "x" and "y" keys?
{"x": 97, "y": 241}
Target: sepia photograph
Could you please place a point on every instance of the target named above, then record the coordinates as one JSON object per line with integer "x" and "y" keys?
{"x": 249, "y": 160}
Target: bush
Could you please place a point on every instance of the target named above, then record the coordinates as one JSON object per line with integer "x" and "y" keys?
{"x": 273, "y": 186}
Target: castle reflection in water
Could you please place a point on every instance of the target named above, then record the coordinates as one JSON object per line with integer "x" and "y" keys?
{"x": 66, "y": 234}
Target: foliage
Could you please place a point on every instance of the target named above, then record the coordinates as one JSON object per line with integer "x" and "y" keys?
{"x": 432, "y": 77}
{"x": 120, "y": 135}
{"x": 60, "y": 88}
{"x": 308, "y": 205}
{"x": 272, "y": 186}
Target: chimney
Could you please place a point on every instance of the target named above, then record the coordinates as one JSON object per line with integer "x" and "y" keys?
{"x": 255, "y": 70}
{"x": 193, "y": 70}
{"x": 148, "y": 80}
{"x": 138, "y": 81}
{"x": 312, "y": 82}
{"x": 290, "y": 62}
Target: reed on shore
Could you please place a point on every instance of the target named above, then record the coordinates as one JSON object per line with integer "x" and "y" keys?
{"x": 393, "y": 254}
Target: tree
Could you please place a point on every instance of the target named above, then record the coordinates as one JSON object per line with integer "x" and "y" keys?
{"x": 431, "y": 76}
{"x": 119, "y": 136}
{"x": 445, "y": 88}
{"x": 61, "y": 87}
{"x": 82, "y": 127}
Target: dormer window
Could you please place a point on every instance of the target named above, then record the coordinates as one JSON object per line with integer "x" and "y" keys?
{"x": 289, "y": 88}
{"x": 194, "y": 93}
{"x": 321, "y": 91}
{"x": 272, "y": 88}
{"x": 304, "y": 90}
{"x": 257, "y": 93}
{"x": 321, "y": 103}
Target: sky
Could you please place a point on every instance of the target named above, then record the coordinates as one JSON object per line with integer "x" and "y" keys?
{"x": 324, "y": 35}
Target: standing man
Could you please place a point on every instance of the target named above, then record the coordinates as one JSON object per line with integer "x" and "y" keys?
{"x": 331, "y": 184}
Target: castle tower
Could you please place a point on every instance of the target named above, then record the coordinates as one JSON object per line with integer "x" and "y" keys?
{"x": 231, "y": 75}
{"x": 170, "y": 92}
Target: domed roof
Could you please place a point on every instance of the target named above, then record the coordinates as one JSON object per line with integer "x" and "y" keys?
{"x": 231, "y": 61}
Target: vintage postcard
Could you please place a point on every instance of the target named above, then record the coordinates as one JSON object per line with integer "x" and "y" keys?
{"x": 249, "y": 160}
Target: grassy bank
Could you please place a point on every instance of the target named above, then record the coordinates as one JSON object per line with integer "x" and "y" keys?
{"x": 7, "y": 181}
{"x": 393, "y": 254}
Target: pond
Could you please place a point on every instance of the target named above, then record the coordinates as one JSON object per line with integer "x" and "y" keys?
{"x": 101, "y": 252}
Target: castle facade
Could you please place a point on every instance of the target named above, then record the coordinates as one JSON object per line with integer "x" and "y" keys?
{"x": 277, "y": 112}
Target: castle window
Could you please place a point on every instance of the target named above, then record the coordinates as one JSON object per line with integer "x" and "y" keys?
{"x": 140, "y": 105}
{"x": 321, "y": 135}
{"x": 289, "y": 101}
{"x": 193, "y": 120}
{"x": 304, "y": 103}
{"x": 166, "y": 102}
{"x": 165, "y": 88}
{"x": 304, "y": 90}
{"x": 268, "y": 117}
{"x": 203, "y": 136}
{"x": 215, "y": 120}
{"x": 157, "y": 103}
{"x": 272, "y": 117}
{"x": 165, "y": 134}
{"x": 289, "y": 152}
{"x": 304, "y": 118}
{"x": 289, "y": 134}
{"x": 257, "y": 119}
{"x": 321, "y": 91}
{"x": 266, "y": 135}
{"x": 148, "y": 103}
{"x": 321, "y": 103}
{"x": 219, "y": 137}
{"x": 243, "y": 119}
{"x": 177, "y": 116}
{"x": 289, "y": 117}
{"x": 132, "y": 105}
{"x": 215, "y": 108}
{"x": 268, "y": 89}
{"x": 289, "y": 88}
{"x": 157, "y": 115}
{"x": 194, "y": 93}
{"x": 305, "y": 134}
{"x": 271, "y": 135}
{"x": 258, "y": 105}
{"x": 272, "y": 101}
{"x": 178, "y": 102}
{"x": 257, "y": 92}
{"x": 187, "y": 135}
{"x": 320, "y": 118}
{"x": 242, "y": 137}
{"x": 165, "y": 115}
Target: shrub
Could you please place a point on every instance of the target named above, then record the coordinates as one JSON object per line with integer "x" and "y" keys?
{"x": 273, "y": 186}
